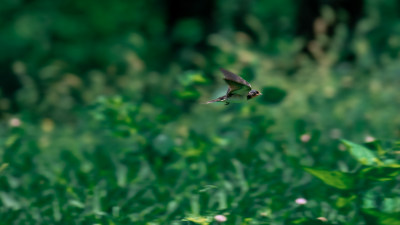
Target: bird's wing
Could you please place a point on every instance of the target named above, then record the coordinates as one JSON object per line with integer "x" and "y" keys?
{"x": 237, "y": 85}
{"x": 220, "y": 99}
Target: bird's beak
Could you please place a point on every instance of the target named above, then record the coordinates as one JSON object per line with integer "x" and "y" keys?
{"x": 260, "y": 93}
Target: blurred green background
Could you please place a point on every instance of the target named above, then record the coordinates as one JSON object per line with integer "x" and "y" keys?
{"x": 101, "y": 121}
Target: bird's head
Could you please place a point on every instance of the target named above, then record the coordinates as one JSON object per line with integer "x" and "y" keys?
{"x": 252, "y": 94}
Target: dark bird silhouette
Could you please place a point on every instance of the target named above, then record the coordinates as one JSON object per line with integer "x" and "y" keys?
{"x": 239, "y": 90}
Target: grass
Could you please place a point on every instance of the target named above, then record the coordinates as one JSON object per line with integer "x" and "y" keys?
{"x": 138, "y": 163}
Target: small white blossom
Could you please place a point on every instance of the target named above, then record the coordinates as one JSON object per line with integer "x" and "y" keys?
{"x": 220, "y": 218}
{"x": 301, "y": 201}
{"x": 15, "y": 122}
{"x": 369, "y": 138}
{"x": 305, "y": 138}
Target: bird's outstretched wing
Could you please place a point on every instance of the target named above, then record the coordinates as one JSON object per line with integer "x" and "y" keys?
{"x": 237, "y": 85}
{"x": 220, "y": 99}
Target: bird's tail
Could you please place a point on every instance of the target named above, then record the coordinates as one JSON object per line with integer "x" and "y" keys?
{"x": 220, "y": 99}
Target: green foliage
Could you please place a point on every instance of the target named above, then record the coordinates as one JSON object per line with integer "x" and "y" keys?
{"x": 362, "y": 154}
{"x": 368, "y": 178}
{"x": 107, "y": 126}
{"x": 333, "y": 178}
{"x": 383, "y": 218}
{"x": 116, "y": 116}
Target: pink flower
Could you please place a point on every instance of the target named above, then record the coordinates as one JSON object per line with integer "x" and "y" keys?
{"x": 15, "y": 122}
{"x": 323, "y": 219}
{"x": 369, "y": 138}
{"x": 220, "y": 218}
{"x": 301, "y": 201}
{"x": 305, "y": 138}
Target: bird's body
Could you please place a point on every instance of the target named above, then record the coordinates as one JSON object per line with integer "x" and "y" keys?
{"x": 239, "y": 90}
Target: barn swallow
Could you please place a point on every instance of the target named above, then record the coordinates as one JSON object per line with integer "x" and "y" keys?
{"x": 239, "y": 90}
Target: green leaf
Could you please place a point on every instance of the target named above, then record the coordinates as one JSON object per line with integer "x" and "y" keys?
{"x": 391, "y": 163}
{"x": 188, "y": 94}
{"x": 362, "y": 154}
{"x": 380, "y": 173}
{"x": 391, "y": 205}
{"x": 12, "y": 140}
{"x": 3, "y": 167}
{"x": 192, "y": 77}
{"x": 172, "y": 206}
{"x": 198, "y": 220}
{"x": 163, "y": 144}
{"x": 344, "y": 201}
{"x": 195, "y": 204}
{"x": 76, "y": 203}
{"x": 335, "y": 179}
{"x": 384, "y": 218}
{"x": 307, "y": 221}
{"x": 9, "y": 201}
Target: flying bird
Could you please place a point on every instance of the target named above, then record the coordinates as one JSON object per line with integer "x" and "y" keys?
{"x": 239, "y": 90}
